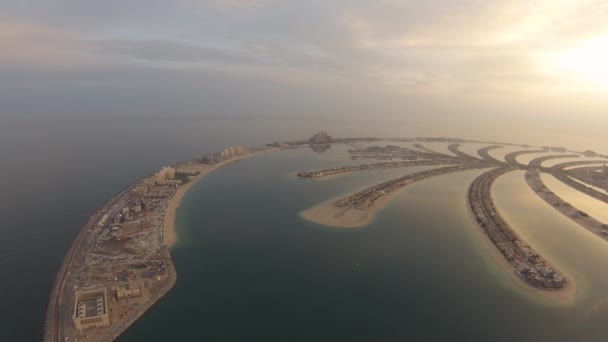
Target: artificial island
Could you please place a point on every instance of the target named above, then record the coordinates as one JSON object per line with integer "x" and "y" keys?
{"x": 120, "y": 264}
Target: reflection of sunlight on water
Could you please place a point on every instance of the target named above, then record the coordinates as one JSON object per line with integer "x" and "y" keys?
{"x": 589, "y": 185}
{"x": 552, "y": 162}
{"x": 588, "y": 204}
{"x": 571, "y": 248}
{"x": 472, "y": 148}
{"x": 527, "y": 158}
{"x": 437, "y": 147}
{"x": 500, "y": 153}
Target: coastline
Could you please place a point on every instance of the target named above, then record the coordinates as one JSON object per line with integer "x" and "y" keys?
{"x": 534, "y": 180}
{"x": 55, "y": 310}
{"x": 563, "y": 296}
{"x": 150, "y": 303}
{"x": 376, "y": 197}
{"x": 170, "y": 226}
{"x": 328, "y": 214}
{"x": 325, "y": 213}
{"x": 57, "y": 292}
{"x": 169, "y": 239}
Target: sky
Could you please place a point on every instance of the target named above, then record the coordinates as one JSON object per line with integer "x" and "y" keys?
{"x": 470, "y": 59}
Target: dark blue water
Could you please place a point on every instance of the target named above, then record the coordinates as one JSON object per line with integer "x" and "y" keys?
{"x": 54, "y": 173}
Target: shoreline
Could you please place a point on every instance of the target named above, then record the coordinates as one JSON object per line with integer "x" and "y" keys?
{"x": 169, "y": 239}
{"x": 527, "y": 264}
{"x": 53, "y": 324}
{"x": 331, "y": 215}
{"x": 375, "y": 198}
{"x": 57, "y": 292}
{"x": 564, "y": 296}
{"x": 582, "y": 219}
{"x": 328, "y": 214}
{"x": 151, "y": 302}
{"x": 169, "y": 235}
{"x": 328, "y": 211}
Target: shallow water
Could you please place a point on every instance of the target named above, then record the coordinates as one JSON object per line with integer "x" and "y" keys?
{"x": 596, "y": 209}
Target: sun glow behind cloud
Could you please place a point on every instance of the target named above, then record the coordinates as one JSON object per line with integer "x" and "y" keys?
{"x": 586, "y": 64}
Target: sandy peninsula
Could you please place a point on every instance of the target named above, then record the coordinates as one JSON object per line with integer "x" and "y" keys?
{"x": 329, "y": 214}
{"x": 565, "y": 296}
{"x": 360, "y": 208}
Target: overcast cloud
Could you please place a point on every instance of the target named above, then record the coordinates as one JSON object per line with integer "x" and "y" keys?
{"x": 246, "y": 57}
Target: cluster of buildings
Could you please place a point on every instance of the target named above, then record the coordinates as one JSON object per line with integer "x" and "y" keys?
{"x": 166, "y": 176}
{"x": 368, "y": 167}
{"x": 541, "y": 276}
{"x": 91, "y": 309}
{"x": 528, "y": 265}
{"x": 597, "y": 174}
{"x": 366, "y": 198}
{"x": 226, "y": 154}
{"x": 320, "y": 138}
{"x": 388, "y": 152}
{"x": 122, "y": 259}
{"x": 584, "y": 179}
{"x": 119, "y": 265}
{"x": 127, "y": 291}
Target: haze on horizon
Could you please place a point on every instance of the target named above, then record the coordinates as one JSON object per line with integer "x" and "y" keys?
{"x": 493, "y": 62}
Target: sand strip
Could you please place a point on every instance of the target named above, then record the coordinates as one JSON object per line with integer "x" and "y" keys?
{"x": 169, "y": 226}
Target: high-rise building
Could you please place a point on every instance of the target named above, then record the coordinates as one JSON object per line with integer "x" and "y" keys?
{"x": 165, "y": 174}
{"x": 320, "y": 138}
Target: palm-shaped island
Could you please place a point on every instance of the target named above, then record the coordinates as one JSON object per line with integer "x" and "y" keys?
{"x": 359, "y": 208}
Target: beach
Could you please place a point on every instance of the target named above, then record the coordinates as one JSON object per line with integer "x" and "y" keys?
{"x": 329, "y": 214}
{"x": 376, "y": 198}
{"x": 169, "y": 225}
{"x": 564, "y": 296}
{"x": 169, "y": 232}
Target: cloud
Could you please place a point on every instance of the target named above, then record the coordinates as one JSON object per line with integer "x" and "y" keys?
{"x": 171, "y": 51}
{"x": 239, "y": 4}
{"x": 442, "y": 48}
{"x": 33, "y": 44}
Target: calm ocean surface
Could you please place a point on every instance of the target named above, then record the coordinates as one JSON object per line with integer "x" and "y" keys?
{"x": 250, "y": 269}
